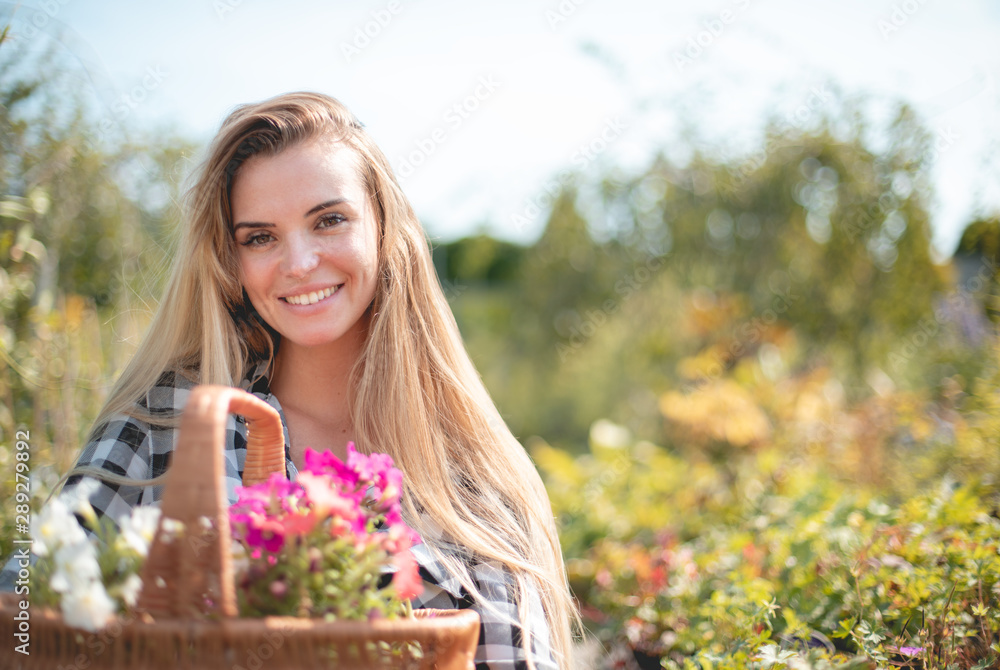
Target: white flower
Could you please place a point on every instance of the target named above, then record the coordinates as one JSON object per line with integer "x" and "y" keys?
{"x": 77, "y": 498}
{"x": 172, "y": 528}
{"x": 130, "y": 589}
{"x": 88, "y": 607}
{"x": 54, "y": 527}
{"x": 241, "y": 562}
{"x": 607, "y": 434}
{"x": 138, "y": 528}
{"x": 60, "y": 582}
{"x": 76, "y": 566}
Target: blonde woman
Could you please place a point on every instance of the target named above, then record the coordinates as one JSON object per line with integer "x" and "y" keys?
{"x": 304, "y": 277}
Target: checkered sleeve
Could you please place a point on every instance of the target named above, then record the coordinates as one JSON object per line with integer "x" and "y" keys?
{"x": 121, "y": 447}
{"x": 500, "y": 634}
{"x": 134, "y": 448}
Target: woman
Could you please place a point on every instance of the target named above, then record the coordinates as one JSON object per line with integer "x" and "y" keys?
{"x": 303, "y": 274}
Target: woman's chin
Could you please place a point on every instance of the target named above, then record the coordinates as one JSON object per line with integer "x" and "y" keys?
{"x": 317, "y": 339}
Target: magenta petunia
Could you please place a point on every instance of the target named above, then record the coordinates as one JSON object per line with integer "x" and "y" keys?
{"x": 327, "y": 464}
{"x": 359, "y": 463}
{"x": 282, "y": 522}
{"x": 327, "y": 499}
{"x": 262, "y": 533}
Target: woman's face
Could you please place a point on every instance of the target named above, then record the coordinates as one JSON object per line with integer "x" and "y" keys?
{"x": 307, "y": 241}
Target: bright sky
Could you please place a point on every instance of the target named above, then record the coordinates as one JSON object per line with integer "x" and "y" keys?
{"x": 536, "y": 81}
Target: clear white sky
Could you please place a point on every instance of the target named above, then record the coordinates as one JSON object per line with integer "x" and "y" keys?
{"x": 560, "y": 72}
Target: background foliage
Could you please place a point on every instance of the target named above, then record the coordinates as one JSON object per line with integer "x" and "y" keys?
{"x": 767, "y": 420}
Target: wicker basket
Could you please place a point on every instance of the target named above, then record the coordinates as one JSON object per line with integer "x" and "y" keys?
{"x": 188, "y": 602}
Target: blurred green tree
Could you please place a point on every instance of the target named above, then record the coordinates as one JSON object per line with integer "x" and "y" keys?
{"x": 84, "y": 231}
{"x": 669, "y": 277}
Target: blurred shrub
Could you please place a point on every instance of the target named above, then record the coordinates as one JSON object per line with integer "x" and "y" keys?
{"x": 845, "y": 533}
{"x": 671, "y": 275}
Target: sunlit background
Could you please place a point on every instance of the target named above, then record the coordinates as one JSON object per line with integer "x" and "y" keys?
{"x": 675, "y": 74}
{"x": 730, "y": 270}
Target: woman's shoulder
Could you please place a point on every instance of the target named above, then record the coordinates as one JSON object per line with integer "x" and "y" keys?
{"x": 171, "y": 389}
{"x": 138, "y": 441}
{"x": 168, "y": 395}
{"x": 151, "y": 410}
{"x": 148, "y": 427}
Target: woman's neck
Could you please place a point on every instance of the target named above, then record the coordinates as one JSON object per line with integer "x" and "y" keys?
{"x": 313, "y": 386}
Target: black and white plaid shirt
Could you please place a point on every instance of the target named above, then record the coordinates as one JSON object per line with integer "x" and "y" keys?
{"x": 136, "y": 449}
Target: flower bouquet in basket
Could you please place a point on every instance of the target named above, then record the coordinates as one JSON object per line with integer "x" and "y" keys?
{"x": 314, "y": 573}
{"x": 319, "y": 546}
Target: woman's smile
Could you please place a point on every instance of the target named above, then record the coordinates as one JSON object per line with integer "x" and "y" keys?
{"x": 311, "y": 297}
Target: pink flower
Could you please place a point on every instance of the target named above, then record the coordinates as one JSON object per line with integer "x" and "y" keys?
{"x": 264, "y": 532}
{"x": 407, "y": 579}
{"x": 376, "y": 469}
{"x": 359, "y": 463}
{"x": 279, "y": 589}
{"x": 260, "y": 514}
{"x": 326, "y": 498}
{"x": 399, "y": 538}
{"x": 327, "y": 464}
{"x": 280, "y": 520}
{"x": 269, "y": 497}
{"x": 299, "y": 523}
{"x": 910, "y": 651}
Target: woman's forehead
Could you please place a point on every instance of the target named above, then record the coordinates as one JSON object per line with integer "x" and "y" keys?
{"x": 320, "y": 168}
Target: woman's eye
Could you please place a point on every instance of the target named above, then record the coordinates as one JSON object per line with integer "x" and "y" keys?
{"x": 329, "y": 220}
{"x": 256, "y": 240}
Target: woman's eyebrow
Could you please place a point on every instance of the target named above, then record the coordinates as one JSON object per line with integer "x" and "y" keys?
{"x": 318, "y": 208}
{"x": 251, "y": 224}
{"x": 329, "y": 203}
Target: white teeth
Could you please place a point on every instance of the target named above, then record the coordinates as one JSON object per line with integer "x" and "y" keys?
{"x": 311, "y": 298}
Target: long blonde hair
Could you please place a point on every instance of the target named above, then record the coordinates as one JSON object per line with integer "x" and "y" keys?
{"x": 416, "y": 394}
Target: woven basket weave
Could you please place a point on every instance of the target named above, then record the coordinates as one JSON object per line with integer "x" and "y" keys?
{"x": 188, "y": 602}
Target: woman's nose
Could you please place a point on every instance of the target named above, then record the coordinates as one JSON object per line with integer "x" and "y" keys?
{"x": 301, "y": 257}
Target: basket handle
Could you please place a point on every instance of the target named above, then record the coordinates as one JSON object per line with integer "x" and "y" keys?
{"x": 191, "y": 576}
